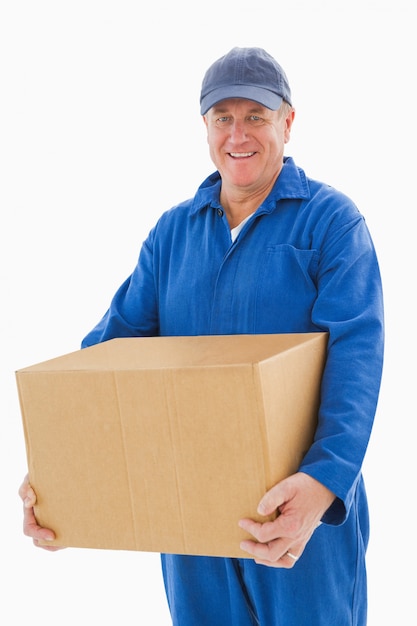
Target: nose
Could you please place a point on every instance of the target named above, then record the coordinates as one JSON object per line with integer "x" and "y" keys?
{"x": 238, "y": 131}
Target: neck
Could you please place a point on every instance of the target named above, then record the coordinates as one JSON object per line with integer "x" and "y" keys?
{"x": 239, "y": 203}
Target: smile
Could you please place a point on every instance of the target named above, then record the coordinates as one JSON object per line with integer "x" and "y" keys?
{"x": 241, "y": 155}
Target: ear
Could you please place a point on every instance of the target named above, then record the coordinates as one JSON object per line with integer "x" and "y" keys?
{"x": 288, "y": 124}
{"x": 206, "y": 125}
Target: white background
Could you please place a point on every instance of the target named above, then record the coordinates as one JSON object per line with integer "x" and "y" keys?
{"x": 100, "y": 133}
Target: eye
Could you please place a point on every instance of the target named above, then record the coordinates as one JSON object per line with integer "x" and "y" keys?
{"x": 255, "y": 118}
{"x": 222, "y": 119}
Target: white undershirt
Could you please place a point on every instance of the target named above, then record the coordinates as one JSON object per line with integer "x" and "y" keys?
{"x": 236, "y": 230}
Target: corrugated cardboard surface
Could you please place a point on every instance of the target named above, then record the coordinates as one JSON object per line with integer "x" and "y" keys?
{"x": 163, "y": 443}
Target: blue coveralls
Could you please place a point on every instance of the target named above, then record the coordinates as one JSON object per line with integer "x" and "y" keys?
{"x": 304, "y": 262}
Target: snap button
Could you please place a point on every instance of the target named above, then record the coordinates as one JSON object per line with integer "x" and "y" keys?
{"x": 220, "y": 212}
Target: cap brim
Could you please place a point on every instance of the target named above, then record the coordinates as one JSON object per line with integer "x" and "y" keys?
{"x": 264, "y": 97}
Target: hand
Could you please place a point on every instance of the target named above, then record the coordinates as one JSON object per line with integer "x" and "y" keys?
{"x": 31, "y": 527}
{"x": 301, "y": 502}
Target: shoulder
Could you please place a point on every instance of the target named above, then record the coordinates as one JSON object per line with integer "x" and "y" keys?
{"x": 328, "y": 202}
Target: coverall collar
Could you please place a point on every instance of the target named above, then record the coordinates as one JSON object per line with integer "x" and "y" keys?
{"x": 291, "y": 183}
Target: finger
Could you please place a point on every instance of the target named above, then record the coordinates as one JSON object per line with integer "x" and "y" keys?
{"x": 46, "y": 547}
{"x": 272, "y": 500}
{"x": 293, "y": 554}
{"x": 283, "y": 563}
{"x": 270, "y": 552}
{"x": 250, "y": 526}
{"x": 27, "y": 494}
{"x": 32, "y": 529}
{"x": 273, "y": 554}
{"x": 23, "y": 489}
{"x": 263, "y": 532}
{"x": 29, "y": 499}
{"x": 290, "y": 555}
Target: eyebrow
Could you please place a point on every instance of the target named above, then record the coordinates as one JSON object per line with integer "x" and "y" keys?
{"x": 222, "y": 109}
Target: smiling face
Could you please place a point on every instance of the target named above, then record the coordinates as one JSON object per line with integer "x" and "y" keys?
{"x": 246, "y": 142}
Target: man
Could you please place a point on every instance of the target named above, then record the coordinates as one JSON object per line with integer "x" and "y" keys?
{"x": 262, "y": 248}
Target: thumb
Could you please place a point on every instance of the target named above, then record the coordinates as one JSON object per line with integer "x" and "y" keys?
{"x": 272, "y": 500}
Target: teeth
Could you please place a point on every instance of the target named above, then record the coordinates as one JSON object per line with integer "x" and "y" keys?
{"x": 240, "y": 155}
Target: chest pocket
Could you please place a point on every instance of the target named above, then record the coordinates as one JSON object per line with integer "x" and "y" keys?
{"x": 286, "y": 289}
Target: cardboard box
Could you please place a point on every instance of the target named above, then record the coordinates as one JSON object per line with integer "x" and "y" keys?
{"x": 162, "y": 444}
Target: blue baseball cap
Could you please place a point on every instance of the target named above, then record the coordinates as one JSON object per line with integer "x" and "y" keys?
{"x": 249, "y": 73}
